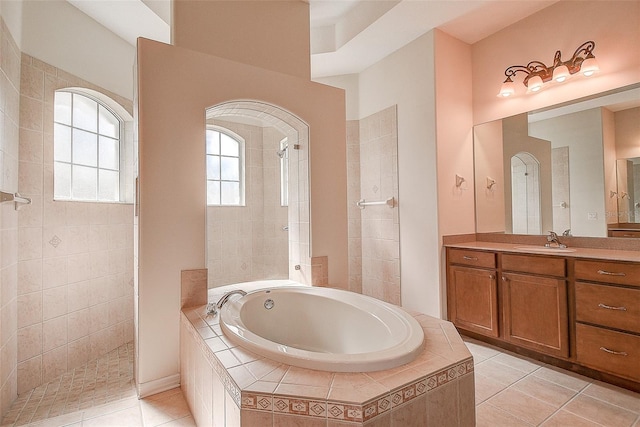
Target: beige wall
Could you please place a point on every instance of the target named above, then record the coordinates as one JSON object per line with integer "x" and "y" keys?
{"x": 9, "y": 149}
{"x": 412, "y": 90}
{"x": 268, "y": 34}
{"x": 172, "y": 205}
{"x": 488, "y": 154}
{"x": 627, "y": 133}
{"x": 565, "y": 25}
{"x": 75, "y": 259}
{"x": 61, "y": 35}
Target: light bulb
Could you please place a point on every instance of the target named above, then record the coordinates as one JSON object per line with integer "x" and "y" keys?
{"x": 535, "y": 83}
{"x": 560, "y": 73}
{"x": 508, "y": 88}
{"x": 589, "y": 66}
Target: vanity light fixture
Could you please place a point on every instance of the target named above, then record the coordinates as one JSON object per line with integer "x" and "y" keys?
{"x": 537, "y": 73}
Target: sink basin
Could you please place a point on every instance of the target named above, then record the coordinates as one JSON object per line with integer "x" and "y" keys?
{"x": 544, "y": 249}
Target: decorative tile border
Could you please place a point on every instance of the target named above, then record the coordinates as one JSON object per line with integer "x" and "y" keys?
{"x": 332, "y": 410}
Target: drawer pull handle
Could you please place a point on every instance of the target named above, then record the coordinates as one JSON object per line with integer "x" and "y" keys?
{"x": 617, "y": 353}
{"x": 610, "y": 273}
{"x": 608, "y": 307}
{"x": 470, "y": 258}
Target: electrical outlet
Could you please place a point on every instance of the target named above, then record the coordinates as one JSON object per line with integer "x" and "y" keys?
{"x": 592, "y": 216}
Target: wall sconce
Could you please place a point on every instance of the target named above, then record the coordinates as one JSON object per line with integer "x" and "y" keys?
{"x": 537, "y": 73}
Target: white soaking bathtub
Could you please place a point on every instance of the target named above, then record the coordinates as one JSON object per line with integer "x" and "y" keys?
{"x": 322, "y": 328}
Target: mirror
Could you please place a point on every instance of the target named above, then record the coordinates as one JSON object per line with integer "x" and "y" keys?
{"x": 628, "y": 194}
{"x": 572, "y": 168}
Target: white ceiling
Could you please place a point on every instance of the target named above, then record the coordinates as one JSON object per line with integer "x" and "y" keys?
{"x": 347, "y": 36}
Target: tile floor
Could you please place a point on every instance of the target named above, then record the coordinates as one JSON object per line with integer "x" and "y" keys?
{"x": 514, "y": 391}
{"x": 511, "y": 391}
{"x": 100, "y": 393}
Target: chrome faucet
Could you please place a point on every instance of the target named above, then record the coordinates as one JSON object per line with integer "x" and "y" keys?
{"x": 212, "y": 308}
{"x": 553, "y": 238}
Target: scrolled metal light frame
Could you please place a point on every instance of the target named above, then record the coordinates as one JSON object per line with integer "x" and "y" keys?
{"x": 537, "y": 68}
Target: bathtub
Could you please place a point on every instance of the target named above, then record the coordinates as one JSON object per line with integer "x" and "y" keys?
{"x": 322, "y": 328}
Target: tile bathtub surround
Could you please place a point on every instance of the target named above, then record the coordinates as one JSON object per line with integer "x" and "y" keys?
{"x": 220, "y": 378}
{"x": 193, "y": 287}
{"x": 75, "y": 259}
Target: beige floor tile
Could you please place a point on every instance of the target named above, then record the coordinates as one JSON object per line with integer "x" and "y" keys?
{"x": 616, "y": 396}
{"x": 486, "y": 387}
{"x": 567, "y": 419}
{"x": 522, "y": 406}
{"x": 187, "y": 421}
{"x": 130, "y": 417}
{"x": 544, "y": 390}
{"x": 520, "y": 363}
{"x": 600, "y": 412}
{"x": 480, "y": 351}
{"x": 564, "y": 378}
{"x": 499, "y": 372}
{"x": 490, "y": 416}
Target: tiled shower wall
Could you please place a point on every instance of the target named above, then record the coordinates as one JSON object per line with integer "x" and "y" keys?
{"x": 248, "y": 242}
{"x": 379, "y": 234}
{"x": 560, "y": 189}
{"x": 75, "y": 259}
{"x": 9, "y": 143}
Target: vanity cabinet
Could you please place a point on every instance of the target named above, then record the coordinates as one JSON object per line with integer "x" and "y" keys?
{"x": 578, "y": 313}
{"x": 535, "y": 308}
{"x": 608, "y": 317}
{"x": 473, "y": 291}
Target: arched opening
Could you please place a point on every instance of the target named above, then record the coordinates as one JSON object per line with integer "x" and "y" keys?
{"x": 263, "y": 238}
{"x": 525, "y": 194}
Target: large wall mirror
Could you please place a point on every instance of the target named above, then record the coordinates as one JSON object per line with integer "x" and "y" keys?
{"x": 573, "y": 169}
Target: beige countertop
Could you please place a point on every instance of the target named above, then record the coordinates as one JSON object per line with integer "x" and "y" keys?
{"x": 572, "y": 252}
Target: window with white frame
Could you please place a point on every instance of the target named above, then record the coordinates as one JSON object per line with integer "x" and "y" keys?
{"x": 87, "y": 145}
{"x": 225, "y": 169}
{"x": 283, "y": 153}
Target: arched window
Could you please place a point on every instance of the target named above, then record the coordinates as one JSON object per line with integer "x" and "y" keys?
{"x": 87, "y": 145}
{"x": 225, "y": 169}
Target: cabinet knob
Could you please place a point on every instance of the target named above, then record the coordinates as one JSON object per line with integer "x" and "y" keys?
{"x": 504, "y": 279}
{"x": 491, "y": 276}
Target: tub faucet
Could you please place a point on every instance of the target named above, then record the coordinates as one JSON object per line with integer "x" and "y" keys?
{"x": 212, "y": 308}
{"x": 553, "y": 238}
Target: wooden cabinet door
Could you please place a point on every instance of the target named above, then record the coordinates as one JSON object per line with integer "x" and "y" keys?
{"x": 535, "y": 313}
{"x": 473, "y": 299}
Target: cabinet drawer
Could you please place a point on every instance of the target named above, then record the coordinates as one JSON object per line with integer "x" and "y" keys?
{"x": 624, "y": 233}
{"x": 608, "y": 272}
{"x": 548, "y": 266}
{"x": 609, "y": 351}
{"x": 611, "y": 306}
{"x": 472, "y": 258}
